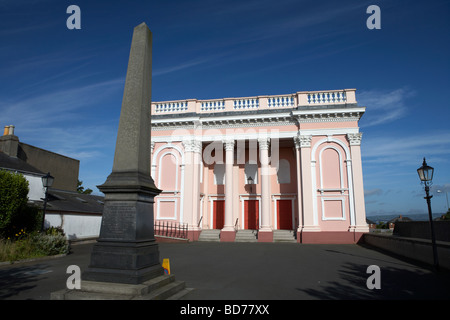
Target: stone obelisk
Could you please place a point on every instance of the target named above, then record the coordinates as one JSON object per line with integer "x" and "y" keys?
{"x": 126, "y": 250}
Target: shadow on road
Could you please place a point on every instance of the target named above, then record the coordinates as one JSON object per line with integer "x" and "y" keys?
{"x": 17, "y": 279}
{"x": 396, "y": 283}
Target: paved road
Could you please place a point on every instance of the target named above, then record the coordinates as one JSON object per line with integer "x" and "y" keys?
{"x": 253, "y": 271}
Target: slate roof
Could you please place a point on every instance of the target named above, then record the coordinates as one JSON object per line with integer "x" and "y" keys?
{"x": 70, "y": 201}
{"x": 16, "y": 164}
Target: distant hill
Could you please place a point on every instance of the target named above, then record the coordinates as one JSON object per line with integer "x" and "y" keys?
{"x": 415, "y": 217}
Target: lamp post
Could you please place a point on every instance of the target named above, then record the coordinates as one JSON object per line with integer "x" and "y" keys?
{"x": 47, "y": 182}
{"x": 426, "y": 176}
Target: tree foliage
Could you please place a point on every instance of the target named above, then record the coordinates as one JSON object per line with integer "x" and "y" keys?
{"x": 15, "y": 214}
{"x": 80, "y": 188}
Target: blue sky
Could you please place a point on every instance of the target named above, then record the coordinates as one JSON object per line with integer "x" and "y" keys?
{"x": 62, "y": 89}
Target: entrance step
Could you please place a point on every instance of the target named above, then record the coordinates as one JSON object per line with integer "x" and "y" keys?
{"x": 284, "y": 236}
{"x": 210, "y": 235}
{"x": 246, "y": 236}
{"x": 160, "y": 288}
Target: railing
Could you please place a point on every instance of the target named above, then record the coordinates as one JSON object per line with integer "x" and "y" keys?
{"x": 299, "y": 99}
{"x": 282, "y": 101}
{"x": 212, "y": 106}
{"x": 177, "y": 106}
{"x": 246, "y": 104}
{"x": 327, "y": 97}
{"x": 171, "y": 229}
{"x": 236, "y": 226}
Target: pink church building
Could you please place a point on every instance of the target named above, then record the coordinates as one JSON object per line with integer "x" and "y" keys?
{"x": 263, "y": 168}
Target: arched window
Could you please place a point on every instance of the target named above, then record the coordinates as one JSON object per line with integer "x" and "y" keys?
{"x": 331, "y": 168}
{"x": 168, "y": 172}
{"x": 284, "y": 171}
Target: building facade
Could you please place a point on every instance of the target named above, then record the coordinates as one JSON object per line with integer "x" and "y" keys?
{"x": 266, "y": 163}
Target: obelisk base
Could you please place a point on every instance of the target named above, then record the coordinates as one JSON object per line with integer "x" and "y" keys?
{"x": 122, "y": 262}
{"x": 126, "y": 250}
{"x": 160, "y": 288}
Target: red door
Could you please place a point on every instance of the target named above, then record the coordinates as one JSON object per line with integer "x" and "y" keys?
{"x": 218, "y": 214}
{"x": 284, "y": 212}
{"x": 251, "y": 214}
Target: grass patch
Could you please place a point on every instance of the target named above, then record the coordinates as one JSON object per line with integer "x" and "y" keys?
{"x": 34, "y": 245}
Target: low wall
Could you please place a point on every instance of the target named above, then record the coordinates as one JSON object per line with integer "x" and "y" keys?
{"x": 413, "y": 248}
{"x": 421, "y": 229}
{"x": 76, "y": 226}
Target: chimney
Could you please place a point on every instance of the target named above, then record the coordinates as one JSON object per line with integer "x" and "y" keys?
{"x": 9, "y": 143}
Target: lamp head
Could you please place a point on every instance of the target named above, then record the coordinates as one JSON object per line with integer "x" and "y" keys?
{"x": 425, "y": 173}
{"x": 47, "y": 180}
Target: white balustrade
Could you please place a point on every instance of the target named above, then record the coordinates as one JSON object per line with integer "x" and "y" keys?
{"x": 330, "y": 97}
{"x": 246, "y": 103}
{"x": 176, "y": 106}
{"x": 215, "y": 105}
{"x": 281, "y": 101}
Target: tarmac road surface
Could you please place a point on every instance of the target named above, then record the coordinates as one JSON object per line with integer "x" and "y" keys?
{"x": 253, "y": 271}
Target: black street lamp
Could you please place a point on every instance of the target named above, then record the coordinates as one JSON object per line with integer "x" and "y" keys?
{"x": 426, "y": 176}
{"x": 250, "y": 182}
{"x": 47, "y": 182}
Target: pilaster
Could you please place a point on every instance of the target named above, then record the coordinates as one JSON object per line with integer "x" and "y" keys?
{"x": 354, "y": 140}
{"x": 192, "y": 149}
{"x": 307, "y": 171}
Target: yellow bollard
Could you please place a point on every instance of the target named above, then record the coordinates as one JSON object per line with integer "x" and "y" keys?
{"x": 166, "y": 266}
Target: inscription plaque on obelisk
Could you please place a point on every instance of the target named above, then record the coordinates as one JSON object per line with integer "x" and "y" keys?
{"x": 126, "y": 250}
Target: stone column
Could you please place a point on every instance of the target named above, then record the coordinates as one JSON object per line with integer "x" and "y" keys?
{"x": 358, "y": 187}
{"x": 193, "y": 149}
{"x": 297, "y": 143}
{"x": 126, "y": 250}
{"x": 228, "y": 232}
{"x": 265, "y": 233}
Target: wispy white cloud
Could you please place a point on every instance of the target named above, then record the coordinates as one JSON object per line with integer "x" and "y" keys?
{"x": 187, "y": 64}
{"x": 66, "y": 121}
{"x": 405, "y": 150}
{"x": 373, "y": 192}
{"x": 384, "y": 106}
{"x": 53, "y": 107}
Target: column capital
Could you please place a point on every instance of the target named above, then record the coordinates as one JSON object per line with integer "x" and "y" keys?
{"x": 228, "y": 144}
{"x": 264, "y": 143}
{"x": 192, "y": 145}
{"x": 302, "y": 141}
{"x": 354, "y": 138}
{"x": 152, "y": 147}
